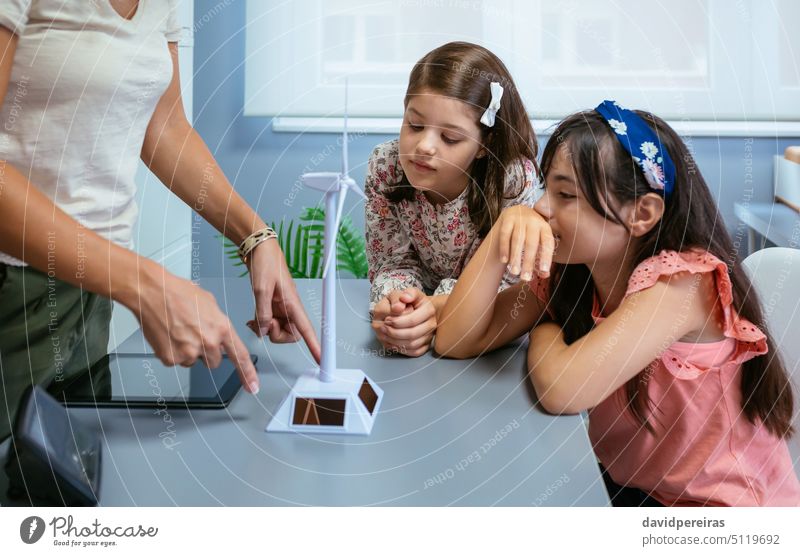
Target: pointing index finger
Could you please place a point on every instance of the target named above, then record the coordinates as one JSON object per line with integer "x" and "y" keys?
{"x": 238, "y": 353}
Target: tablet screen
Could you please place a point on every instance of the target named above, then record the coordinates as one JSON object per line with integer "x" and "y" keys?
{"x": 138, "y": 380}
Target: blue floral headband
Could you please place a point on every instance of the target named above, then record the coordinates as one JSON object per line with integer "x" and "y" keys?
{"x": 643, "y": 144}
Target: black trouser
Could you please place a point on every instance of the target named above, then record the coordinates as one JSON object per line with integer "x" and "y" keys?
{"x": 627, "y": 496}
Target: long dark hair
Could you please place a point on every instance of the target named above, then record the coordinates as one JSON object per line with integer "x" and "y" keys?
{"x": 464, "y": 71}
{"x": 607, "y": 174}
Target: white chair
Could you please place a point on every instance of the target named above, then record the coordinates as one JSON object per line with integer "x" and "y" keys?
{"x": 775, "y": 274}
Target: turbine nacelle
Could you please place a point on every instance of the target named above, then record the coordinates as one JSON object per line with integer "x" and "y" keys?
{"x": 331, "y": 181}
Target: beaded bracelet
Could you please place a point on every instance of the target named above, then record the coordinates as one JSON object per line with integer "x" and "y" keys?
{"x": 254, "y": 239}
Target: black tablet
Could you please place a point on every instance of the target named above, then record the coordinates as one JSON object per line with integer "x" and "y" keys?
{"x": 137, "y": 380}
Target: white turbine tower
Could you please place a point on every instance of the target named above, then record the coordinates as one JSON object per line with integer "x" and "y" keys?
{"x": 338, "y": 401}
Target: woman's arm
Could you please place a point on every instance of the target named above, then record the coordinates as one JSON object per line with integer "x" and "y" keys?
{"x": 177, "y": 155}
{"x": 34, "y": 229}
{"x": 573, "y": 378}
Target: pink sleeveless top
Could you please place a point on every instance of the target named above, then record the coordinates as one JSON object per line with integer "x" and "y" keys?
{"x": 704, "y": 451}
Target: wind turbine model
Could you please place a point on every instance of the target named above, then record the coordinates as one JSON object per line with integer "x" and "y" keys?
{"x": 336, "y": 401}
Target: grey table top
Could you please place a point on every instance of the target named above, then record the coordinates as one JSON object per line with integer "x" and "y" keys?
{"x": 775, "y": 221}
{"x": 449, "y": 432}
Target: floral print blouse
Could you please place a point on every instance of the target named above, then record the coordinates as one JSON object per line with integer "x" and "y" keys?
{"x": 415, "y": 243}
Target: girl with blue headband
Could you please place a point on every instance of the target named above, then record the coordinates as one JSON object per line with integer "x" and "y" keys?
{"x": 647, "y": 321}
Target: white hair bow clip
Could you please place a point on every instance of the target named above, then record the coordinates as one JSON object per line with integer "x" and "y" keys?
{"x": 494, "y": 105}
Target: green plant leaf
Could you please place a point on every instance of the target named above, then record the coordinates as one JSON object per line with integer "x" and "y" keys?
{"x": 351, "y": 250}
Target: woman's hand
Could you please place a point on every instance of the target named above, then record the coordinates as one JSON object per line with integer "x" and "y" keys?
{"x": 279, "y": 311}
{"x": 182, "y": 322}
{"x": 405, "y": 321}
{"x": 524, "y": 238}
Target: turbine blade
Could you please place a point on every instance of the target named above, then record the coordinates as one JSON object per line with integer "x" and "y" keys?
{"x": 344, "y": 131}
{"x": 331, "y": 243}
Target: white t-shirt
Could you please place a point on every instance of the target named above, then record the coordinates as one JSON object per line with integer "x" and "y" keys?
{"x": 84, "y": 85}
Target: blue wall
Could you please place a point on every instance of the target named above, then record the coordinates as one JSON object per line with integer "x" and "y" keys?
{"x": 264, "y": 166}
